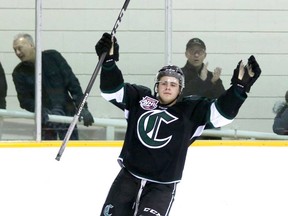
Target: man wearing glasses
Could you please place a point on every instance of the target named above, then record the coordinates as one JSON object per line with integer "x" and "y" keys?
{"x": 198, "y": 79}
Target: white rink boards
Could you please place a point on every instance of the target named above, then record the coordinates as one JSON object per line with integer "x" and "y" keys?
{"x": 218, "y": 181}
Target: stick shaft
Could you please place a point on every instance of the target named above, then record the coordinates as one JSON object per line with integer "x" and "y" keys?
{"x": 89, "y": 86}
{"x": 119, "y": 18}
{"x": 76, "y": 116}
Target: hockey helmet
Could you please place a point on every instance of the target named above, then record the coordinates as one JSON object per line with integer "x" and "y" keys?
{"x": 173, "y": 71}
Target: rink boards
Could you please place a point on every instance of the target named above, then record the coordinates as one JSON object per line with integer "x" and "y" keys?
{"x": 203, "y": 143}
{"x": 221, "y": 178}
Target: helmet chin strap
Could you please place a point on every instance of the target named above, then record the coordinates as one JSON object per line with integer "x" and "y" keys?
{"x": 155, "y": 89}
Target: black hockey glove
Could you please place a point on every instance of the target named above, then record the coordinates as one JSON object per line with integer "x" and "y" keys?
{"x": 104, "y": 46}
{"x": 244, "y": 77}
{"x": 87, "y": 117}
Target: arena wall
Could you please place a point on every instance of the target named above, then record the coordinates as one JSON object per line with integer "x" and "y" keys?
{"x": 232, "y": 30}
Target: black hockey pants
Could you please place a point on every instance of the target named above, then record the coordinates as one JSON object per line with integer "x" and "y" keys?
{"x": 130, "y": 196}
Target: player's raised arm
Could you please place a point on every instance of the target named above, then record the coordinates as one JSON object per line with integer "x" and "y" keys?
{"x": 243, "y": 78}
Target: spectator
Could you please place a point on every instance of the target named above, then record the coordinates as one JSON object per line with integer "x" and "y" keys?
{"x": 280, "y": 125}
{"x": 3, "y": 88}
{"x": 160, "y": 130}
{"x": 61, "y": 90}
{"x": 198, "y": 79}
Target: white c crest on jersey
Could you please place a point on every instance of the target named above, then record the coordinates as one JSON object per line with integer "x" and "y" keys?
{"x": 148, "y": 126}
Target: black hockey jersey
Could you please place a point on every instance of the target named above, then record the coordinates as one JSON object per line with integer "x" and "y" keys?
{"x": 158, "y": 137}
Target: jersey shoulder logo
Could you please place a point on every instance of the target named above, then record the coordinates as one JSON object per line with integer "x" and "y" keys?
{"x": 107, "y": 209}
{"x": 148, "y": 103}
{"x": 148, "y": 127}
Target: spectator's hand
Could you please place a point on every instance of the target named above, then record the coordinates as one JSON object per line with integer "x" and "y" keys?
{"x": 45, "y": 113}
{"x": 245, "y": 77}
{"x": 87, "y": 117}
{"x": 204, "y": 72}
{"x": 216, "y": 74}
{"x": 58, "y": 110}
{"x": 108, "y": 45}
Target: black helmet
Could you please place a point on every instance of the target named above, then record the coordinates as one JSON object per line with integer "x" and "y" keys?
{"x": 173, "y": 71}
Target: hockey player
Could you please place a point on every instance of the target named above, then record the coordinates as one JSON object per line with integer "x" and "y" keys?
{"x": 160, "y": 130}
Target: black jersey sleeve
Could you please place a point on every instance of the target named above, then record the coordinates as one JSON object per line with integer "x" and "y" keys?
{"x": 113, "y": 88}
{"x": 134, "y": 93}
{"x": 111, "y": 78}
{"x": 204, "y": 113}
{"x": 229, "y": 103}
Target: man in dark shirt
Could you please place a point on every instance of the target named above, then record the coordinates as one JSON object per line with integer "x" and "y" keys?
{"x": 198, "y": 79}
{"x": 3, "y": 88}
{"x": 280, "y": 125}
{"x": 61, "y": 90}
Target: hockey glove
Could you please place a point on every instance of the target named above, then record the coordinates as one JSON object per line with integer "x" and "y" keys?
{"x": 87, "y": 117}
{"x": 244, "y": 77}
{"x": 104, "y": 46}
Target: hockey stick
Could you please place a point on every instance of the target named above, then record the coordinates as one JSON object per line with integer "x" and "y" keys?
{"x": 90, "y": 85}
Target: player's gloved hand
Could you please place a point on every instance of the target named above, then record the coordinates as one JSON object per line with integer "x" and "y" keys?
{"x": 45, "y": 113}
{"x": 104, "y": 46}
{"x": 87, "y": 117}
{"x": 244, "y": 77}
